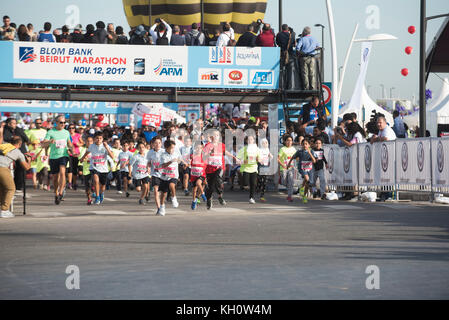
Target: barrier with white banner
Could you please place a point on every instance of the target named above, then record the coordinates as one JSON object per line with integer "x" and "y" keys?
{"x": 402, "y": 165}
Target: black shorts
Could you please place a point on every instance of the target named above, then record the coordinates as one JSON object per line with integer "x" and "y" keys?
{"x": 102, "y": 176}
{"x": 124, "y": 174}
{"x": 55, "y": 164}
{"x": 145, "y": 180}
{"x": 193, "y": 180}
{"x": 156, "y": 181}
{"x": 183, "y": 171}
{"x": 164, "y": 187}
{"x": 73, "y": 165}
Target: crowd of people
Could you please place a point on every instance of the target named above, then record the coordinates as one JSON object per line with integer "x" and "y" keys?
{"x": 301, "y": 50}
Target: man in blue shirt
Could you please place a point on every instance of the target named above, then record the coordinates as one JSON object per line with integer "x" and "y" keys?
{"x": 398, "y": 127}
{"x": 306, "y": 49}
{"x": 150, "y": 132}
{"x": 46, "y": 36}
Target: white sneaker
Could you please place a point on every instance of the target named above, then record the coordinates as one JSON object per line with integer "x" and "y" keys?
{"x": 162, "y": 210}
{"x": 19, "y": 192}
{"x": 174, "y": 202}
{"x": 7, "y": 214}
{"x": 252, "y": 201}
{"x": 119, "y": 192}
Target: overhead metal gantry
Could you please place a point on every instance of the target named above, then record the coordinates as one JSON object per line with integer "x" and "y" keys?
{"x": 150, "y": 94}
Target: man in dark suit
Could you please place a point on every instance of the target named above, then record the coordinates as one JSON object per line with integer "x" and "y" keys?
{"x": 248, "y": 39}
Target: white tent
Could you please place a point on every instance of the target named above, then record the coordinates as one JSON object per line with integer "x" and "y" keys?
{"x": 438, "y": 115}
{"x": 412, "y": 120}
{"x": 367, "y": 105}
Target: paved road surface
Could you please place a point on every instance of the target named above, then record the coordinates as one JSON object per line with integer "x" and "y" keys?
{"x": 272, "y": 250}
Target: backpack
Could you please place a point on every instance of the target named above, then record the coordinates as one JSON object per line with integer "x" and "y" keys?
{"x": 122, "y": 40}
{"x": 6, "y": 148}
{"x": 162, "y": 41}
{"x": 195, "y": 41}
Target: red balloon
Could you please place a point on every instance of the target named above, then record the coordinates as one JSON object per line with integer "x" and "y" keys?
{"x": 404, "y": 72}
{"x": 411, "y": 29}
{"x": 409, "y": 50}
{"x": 100, "y": 117}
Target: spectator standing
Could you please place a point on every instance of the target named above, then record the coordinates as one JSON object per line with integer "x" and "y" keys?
{"x": 57, "y": 35}
{"x": 101, "y": 34}
{"x": 248, "y": 39}
{"x": 139, "y": 36}
{"x": 89, "y": 36}
{"x": 46, "y": 36}
{"x": 65, "y": 36}
{"x": 76, "y": 36}
{"x": 7, "y": 187}
{"x": 161, "y": 32}
{"x": 177, "y": 39}
{"x": 312, "y": 111}
{"x": 355, "y": 134}
{"x": 7, "y": 32}
{"x": 121, "y": 37}
{"x": 195, "y": 37}
{"x": 306, "y": 49}
{"x": 112, "y": 36}
{"x": 33, "y": 35}
{"x": 11, "y": 130}
{"x": 398, "y": 127}
{"x": 285, "y": 40}
{"x": 22, "y": 33}
{"x": 266, "y": 37}
{"x": 212, "y": 41}
{"x": 226, "y": 38}
{"x": 319, "y": 133}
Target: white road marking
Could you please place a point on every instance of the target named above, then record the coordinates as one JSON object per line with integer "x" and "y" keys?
{"x": 109, "y": 212}
{"x": 46, "y": 214}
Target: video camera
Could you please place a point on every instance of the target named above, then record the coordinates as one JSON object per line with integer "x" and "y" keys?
{"x": 371, "y": 126}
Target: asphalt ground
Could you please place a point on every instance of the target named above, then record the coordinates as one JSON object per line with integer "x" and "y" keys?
{"x": 273, "y": 250}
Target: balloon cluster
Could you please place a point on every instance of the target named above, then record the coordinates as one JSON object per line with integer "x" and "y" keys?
{"x": 408, "y": 50}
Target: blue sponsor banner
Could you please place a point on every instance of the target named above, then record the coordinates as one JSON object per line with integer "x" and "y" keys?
{"x": 153, "y": 66}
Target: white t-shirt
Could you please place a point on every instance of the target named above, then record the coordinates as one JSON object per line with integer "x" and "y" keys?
{"x": 99, "y": 158}
{"x": 388, "y": 133}
{"x": 124, "y": 157}
{"x": 170, "y": 172}
{"x": 155, "y": 160}
{"x": 139, "y": 166}
{"x": 185, "y": 153}
{"x": 358, "y": 138}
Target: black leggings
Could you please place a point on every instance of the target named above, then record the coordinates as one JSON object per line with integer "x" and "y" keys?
{"x": 214, "y": 183}
{"x": 251, "y": 179}
{"x": 262, "y": 185}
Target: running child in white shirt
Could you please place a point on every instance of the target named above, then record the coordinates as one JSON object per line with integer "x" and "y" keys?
{"x": 99, "y": 151}
{"x": 138, "y": 165}
{"x": 123, "y": 159}
{"x": 154, "y": 157}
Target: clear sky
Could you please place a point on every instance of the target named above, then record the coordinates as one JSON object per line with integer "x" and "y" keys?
{"x": 388, "y": 58}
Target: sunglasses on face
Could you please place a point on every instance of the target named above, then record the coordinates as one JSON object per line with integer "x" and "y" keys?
{"x": 38, "y": 122}
{"x": 62, "y": 122}
{"x": 72, "y": 128}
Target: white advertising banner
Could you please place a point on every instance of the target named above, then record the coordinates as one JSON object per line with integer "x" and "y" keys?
{"x": 440, "y": 162}
{"x": 384, "y": 163}
{"x": 94, "y": 62}
{"x": 333, "y": 174}
{"x": 413, "y": 162}
{"x": 366, "y": 164}
{"x": 349, "y": 166}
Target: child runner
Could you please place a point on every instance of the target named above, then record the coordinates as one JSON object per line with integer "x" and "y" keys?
{"x": 305, "y": 167}
{"x": 249, "y": 156}
{"x": 85, "y": 172}
{"x": 154, "y": 157}
{"x": 99, "y": 151}
{"x": 185, "y": 171}
{"x": 138, "y": 165}
{"x": 318, "y": 169}
{"x": 123, "y": 159}
{"x": 170, "y": 174}
{"x": 197, "y": 174}
{"x": 286, "y": 173}
{"x": 116, "y": 150}
{"x": 265, "y": 158}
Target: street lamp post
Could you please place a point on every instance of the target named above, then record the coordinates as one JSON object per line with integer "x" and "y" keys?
{"x": 322, "y": 50}
{"x": 391, "y": 92}
{"x": 383, "y": 91}
{"x": 280, "y": 15}
{"x": 422, "y": 71}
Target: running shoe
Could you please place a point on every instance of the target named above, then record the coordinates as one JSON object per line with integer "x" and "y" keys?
{"x": 97, "y": 201}
{"x": 119, "y": 192}
{"x": 304, "y": 200}
{"x": 262, "y": 199}
{"x": 209, "y": 204}
{"x": 127, "y": 194}
{"x": 289, "y": 199}
{"x": 252, "y": 201}
{"x": 89, "y": 202}
{"x": 198, "y": 201}
{"x": 193, "y": 205}
{"x": 186, "y": 192}
{"x": 162, "y": 210}
{"x": 174, "y": 202}
{"x": 63, "y": 195}
{"x": 101, "y": 197}
{"x": 57, "y": 200}
{"x": 222, "y": 201}
{"x": 7, "y": 214}
{"x": 147, "y": 199}
{"x": 203, "y": 196}
{"x": 141, "y": 202}
{"x": 69, "y": 185}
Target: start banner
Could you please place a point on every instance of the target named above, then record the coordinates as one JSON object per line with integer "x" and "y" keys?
{"x": 134, "y": 65}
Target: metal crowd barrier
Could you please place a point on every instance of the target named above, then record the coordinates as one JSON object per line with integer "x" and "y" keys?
{"x": 405, "y": 165}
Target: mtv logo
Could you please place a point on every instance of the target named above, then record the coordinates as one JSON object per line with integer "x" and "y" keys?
{"x": 26, "y": 54}
{"x": 263, "y": 77}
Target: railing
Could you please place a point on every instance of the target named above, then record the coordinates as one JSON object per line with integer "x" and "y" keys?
{"x": 411, "y": 165}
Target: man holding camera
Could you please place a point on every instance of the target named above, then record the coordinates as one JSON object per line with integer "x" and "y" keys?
{"x": 306, "y": 49}
{"x": 7, "y": 32}
{"x": 161, "y": 33}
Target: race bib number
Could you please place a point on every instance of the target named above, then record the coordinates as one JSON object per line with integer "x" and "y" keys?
{"x": 196, "y": 171}
{"x": 170, "y": 172}
{"x": 61, "y": 144}
{"x": 141, "y": 168}
{"x": 319, "y": 155}
{"x": 215, "y": 161}
{"x": 98, "y": 160}
{"x": 306, "y": 165}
